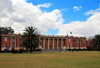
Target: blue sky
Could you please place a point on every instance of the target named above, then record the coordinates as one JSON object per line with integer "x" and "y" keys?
{"x": 68, "y": 13}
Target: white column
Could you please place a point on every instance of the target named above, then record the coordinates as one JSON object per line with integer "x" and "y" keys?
{"x": 53, "y": 43}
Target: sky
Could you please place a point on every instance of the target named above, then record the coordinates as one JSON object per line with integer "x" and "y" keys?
{"x": 66, "y": 8}
{"x": 52, "y": 17}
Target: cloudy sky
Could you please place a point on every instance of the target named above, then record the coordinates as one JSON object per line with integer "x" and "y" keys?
{"x": 53, "y": 17}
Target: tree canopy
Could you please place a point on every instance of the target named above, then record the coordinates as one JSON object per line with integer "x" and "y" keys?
{"x": 96, "y": 42}
{"x": 31, "y": 38}
{"x": 6, "y": 30}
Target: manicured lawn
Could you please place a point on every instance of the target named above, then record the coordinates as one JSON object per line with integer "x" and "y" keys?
{"x": 81, "y": 59}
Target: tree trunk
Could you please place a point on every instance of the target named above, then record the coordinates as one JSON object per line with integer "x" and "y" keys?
{"x": 30, "y": 47}
{"x": 26, "y": 48}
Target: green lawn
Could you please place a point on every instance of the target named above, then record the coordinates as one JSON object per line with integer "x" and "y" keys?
{"x": 83, "y": 59}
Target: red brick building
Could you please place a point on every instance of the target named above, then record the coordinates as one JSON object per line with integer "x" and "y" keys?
{"x": 60, "y": 42}
{"x": 11, "y": 41}
{"x": 49, "y": 42}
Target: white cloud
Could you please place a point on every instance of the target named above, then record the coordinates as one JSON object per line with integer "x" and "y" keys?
{"x": 85, "y": 28}
{"x": 18, "y": 14}
{"x": 93, "y": 11}
{"x": 26, "y": 14}
{"x": 6, "y": 10}
{"x": 64, "y": 9}
{"x": 77, "y": 8}
{"x": 46, "y": 5}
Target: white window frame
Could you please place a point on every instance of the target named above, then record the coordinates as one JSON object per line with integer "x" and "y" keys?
{"x": 69, "y": 40}
{"x": 5, "y": 39}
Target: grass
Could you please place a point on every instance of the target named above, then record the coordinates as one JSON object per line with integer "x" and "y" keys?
{"x": 82, "y": 59}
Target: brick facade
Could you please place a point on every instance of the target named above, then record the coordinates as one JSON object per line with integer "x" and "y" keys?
{"x": 46, "y": 42}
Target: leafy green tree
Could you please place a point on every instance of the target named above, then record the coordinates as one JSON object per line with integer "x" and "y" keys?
{"x": 6, "y": 30}
{"x": 31, "y": 38}
{"x": 96, "y": 42}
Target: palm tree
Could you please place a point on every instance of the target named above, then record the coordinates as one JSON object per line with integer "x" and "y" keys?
{"x": 31, "y": 38}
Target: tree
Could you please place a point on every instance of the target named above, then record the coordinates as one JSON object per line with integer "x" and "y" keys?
{"x": 31, "y": 38}
{"x": 6, "y": 30}
{"x": 96, "y": 42}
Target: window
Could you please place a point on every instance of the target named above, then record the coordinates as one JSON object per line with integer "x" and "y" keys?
{"x": 69, "y": 45}
{"x": 50, "y": 46}
{"x": 46, "y": 47}
{"x": 5, "y": 45}
{"x": 63, "y": 40}
{"x": 59, "y": 40}
{"x": 13, "y": 40}
{"x": 42, "y": 46}
{"x": 55, "y": 40}
{"x": 13, "y": 46}
{"x": 46, "y": 40}
{"x": 51, "y": 40}
{"x": 74, "y": 40}
{"x": 83, "y": 45}
{"x": 78, "y": 45}
{"x": 74, "y": 45}
{"x": 5, "y": 38}
{"x": 41, "y": 39}
{"x": 59, "y": 46}
{"x": 83, "y": 41}
{"x": 20, "y": 39}
{"x": 20, "y": 45}
{"x": 69, "y": 40}
{"x": 79, "y": 40}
